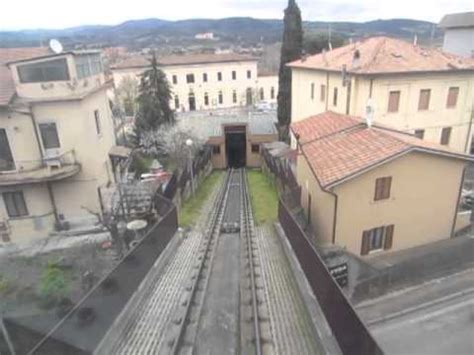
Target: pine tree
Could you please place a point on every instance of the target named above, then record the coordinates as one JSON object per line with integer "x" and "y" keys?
{"x": 154, "y": 95}
{"x": 291, "y": 50}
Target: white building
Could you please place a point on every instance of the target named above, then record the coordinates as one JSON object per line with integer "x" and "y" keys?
{"x": 459, "y": 33}
{"x": 205, "y": 35}
{"x": 206, "y": 81}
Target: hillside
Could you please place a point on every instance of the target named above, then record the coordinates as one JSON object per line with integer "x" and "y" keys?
{"x": 238, "y": 30}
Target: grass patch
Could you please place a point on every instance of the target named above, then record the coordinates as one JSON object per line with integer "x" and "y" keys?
{"x": 264, "y": 197}
{"x": 192, "y": 208}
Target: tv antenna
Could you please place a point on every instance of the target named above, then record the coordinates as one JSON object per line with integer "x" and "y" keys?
{"x": 56, "y": 46}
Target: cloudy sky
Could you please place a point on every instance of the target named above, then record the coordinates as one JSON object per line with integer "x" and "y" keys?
{"x": 30, "y": 14}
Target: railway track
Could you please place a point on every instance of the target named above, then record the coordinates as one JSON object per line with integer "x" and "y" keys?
{"x": 209, "y": 319}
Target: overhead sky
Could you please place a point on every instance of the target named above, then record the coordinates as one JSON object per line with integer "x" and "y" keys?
{"x": 32, "y": 14}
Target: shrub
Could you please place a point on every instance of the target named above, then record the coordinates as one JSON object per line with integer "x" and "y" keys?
{"x": 54, "y": 284}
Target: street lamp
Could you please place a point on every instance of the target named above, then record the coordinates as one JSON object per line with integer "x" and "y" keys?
{"x": 189, "y": 143}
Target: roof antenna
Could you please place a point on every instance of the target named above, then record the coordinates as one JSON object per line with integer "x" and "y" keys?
{"x": 369, "y": 112}
{"x": 415, "y": 40}
{"x": 329, "y": 37}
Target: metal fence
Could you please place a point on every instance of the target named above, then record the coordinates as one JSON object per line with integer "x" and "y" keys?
{"x": 82, "y": 329}
{"x": 351, "y": 334}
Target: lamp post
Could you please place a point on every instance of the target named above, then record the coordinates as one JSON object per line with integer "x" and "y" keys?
{"x": 189, "y": 143}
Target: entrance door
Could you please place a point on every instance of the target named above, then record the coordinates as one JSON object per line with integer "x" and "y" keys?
{"x": 6, "y": 158}
{"x": 192, "y": 102}
{"x": 249, "y": 98}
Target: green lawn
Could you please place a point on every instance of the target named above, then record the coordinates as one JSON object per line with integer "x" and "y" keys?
{"x": 264, "y": 197}
{"x": 192, "y": 208}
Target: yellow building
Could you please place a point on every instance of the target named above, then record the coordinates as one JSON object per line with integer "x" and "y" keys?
{"x": 56, "y": 131}
{"x": 375, "y": 189}
{"x": 411, "y": 88}
{"x": 206, "y": 81}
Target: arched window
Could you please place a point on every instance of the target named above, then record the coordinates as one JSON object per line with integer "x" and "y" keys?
{"x": 206, "y": 99}
{"x": 262, "y": 94}
{"x": 221, "y": 98}
{"x": 176, "y": 102}
{"x": 192, "y": 102}
{"x": 272, "y": 93}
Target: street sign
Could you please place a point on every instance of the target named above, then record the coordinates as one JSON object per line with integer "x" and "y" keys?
{"x": 340, "y": 273}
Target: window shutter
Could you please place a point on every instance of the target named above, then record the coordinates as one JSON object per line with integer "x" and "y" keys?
{"x": 386, "y": 187}
{"x": 424, "y": 100}
{"x": 388, "y": 237}
{"x": 452, "y": 97}
{"x": 364, "y": 250}
{"x": 393, "y": 101}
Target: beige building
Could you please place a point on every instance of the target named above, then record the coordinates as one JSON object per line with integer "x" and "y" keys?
{"x": 56, "y": 131}
{"x": 375, "y": 189}
{"x": 413, "y": 89}
{"x": 206, "y": 81}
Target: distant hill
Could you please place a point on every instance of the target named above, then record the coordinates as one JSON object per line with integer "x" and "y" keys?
{"x": 237, "y": 30}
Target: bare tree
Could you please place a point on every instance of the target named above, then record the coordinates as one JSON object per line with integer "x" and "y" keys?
{"x": 170, "y": 141}
{"x": 126, "y": 94}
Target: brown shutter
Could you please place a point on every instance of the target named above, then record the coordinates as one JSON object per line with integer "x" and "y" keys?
{"x": 386, "y": 187}
{"x": 364, "y": 250}
{"x": 393, "y": 101}
{"x": 377, "y": 189}
{"x": 452, "y": 97}
{"x": 445, "y": 135}
{"x": 388, "y": 237}
{"x": 424, "y": 100}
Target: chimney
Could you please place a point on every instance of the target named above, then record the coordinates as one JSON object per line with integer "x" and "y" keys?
{"x": 369, "y": 112}
{"x": 356, "y": 58}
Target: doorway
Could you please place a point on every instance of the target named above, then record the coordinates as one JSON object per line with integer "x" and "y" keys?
{"x": 192, "y": 102}
{"x": 249, "y": 99}
{"x": 236, "y": 146}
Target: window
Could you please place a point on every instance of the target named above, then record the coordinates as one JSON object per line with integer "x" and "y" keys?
{"x": 53, "y": 70}
{"x": 98, "y": 128}
{"x": 176, "y": 102}
{"x": 206, "y": 99}
{"x": 15, "y": 204}
{"x": 334, "y": 98}
{"x": 219, "y": 76}
{"x": 249, "y": 74}
{"x": 272, "y": 93}
{"x": 175, "y": 79}
{"x": 382, "y": 188}
{"x": 234, "y": 96}
{"x": 49, "y": 135}
{"x": 393, "y": 101}
{"x": 204, "y": 77}
{"x": 322, "y": 94}
{"x": 419, "y": 133}
{"x": 190, "y": 78}
{"x": 220, "y": 98}
{"x": 6, "y": 157}
{"x": 88, "y": 65}
{"x": 216, "y": 149}
{"x": 424, "y": 100}
{"x": 312, "y": 91}
{"x": 377, "y": 239}
{"x": 234, "y": 75}
{"x": 255, "y": 148}
{"x": 453, "y": 94}
{"x": 262, "y": 94}
{"x": 445, "y": 135}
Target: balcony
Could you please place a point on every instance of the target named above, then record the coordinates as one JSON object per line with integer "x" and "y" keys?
{"x": 52, "y": 168}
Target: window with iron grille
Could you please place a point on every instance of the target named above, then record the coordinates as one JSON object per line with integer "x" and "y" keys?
{"x": 393, "y": 101}
{"x": 452, "y": 100}
{"x": 15, "y": 204}
{"x": 255, "y": 148}
{"x": 382, "y": 188}
{"x": 424, "y": 99}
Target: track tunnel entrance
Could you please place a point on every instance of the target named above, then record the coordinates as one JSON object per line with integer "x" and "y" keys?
{"x": 236, "y": 146}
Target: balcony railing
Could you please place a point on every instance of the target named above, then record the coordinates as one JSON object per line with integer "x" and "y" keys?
{"x": 50, "y": 168}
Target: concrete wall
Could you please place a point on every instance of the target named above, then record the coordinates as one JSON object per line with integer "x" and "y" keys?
{"x": 459, "y": 41}
{"x": 408, "y": 118}
{"x": 322, "y": 202}
{"x": 422, "y": 204}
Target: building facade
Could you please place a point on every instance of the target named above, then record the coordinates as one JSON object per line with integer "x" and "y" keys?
{"x": 56, "y": 131}
{"x": 416, "y": 90}
{"x": 373, "y": 189}
{"x": 458, "y": 34}
{"x": 206, "y": 81}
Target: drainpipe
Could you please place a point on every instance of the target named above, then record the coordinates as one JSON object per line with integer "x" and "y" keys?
{"x": 466, "y": 147}
{"x": 348, "y": 98}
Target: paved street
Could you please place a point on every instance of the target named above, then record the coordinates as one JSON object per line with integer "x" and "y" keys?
{"x": 446, "y": 328}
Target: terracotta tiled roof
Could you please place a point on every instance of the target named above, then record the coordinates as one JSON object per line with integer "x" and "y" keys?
{"x": 347, "y": 147}
{"x": 382, "y": 55}
{"x": 7, "y": 87}
{"x": 144, "y": 61}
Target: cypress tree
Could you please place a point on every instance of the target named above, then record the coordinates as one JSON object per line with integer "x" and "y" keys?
{"x": 291, "y": 50}
{"x": 154, "y": 95}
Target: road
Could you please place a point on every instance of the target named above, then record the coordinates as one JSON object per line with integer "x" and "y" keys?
{"x": 444, "y": 328}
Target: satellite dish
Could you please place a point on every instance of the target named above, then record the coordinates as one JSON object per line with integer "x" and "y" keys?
{"x": 56, "y": 46}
